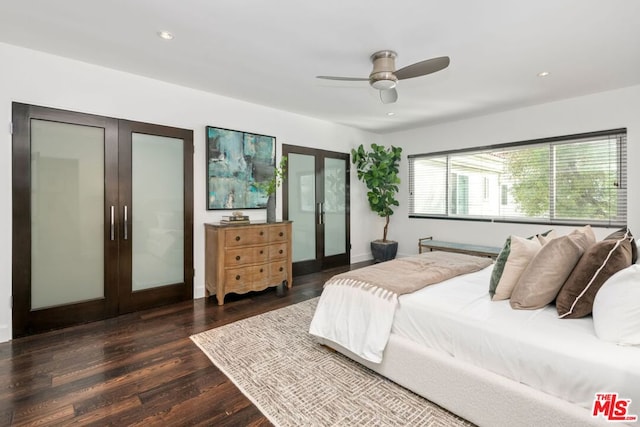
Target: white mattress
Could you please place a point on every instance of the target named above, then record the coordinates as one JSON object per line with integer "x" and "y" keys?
{"x": 562, "y": 357}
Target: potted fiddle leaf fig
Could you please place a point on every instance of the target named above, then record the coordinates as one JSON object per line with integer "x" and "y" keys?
{"x": 378, "y": 168}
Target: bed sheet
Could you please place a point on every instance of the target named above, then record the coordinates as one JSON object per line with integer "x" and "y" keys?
{"x": 562, "y": 357}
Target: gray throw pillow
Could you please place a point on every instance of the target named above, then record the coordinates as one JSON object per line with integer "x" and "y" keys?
{"x": 546, "y": 273}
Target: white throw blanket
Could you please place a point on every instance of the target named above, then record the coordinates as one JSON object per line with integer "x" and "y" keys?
{"x": 356, "y": 309}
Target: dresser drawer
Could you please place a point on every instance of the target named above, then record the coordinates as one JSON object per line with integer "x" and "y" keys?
{"x": 278, "y": 251}
{"x": 278, "y": 234}
{"x": 278, "y": 271}
{"x": 245, "y": 236}
{"x": 243, "y": 256}
{"x": 246, "y": 279}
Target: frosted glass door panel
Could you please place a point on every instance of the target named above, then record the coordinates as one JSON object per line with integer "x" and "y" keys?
{"x": 157, "y": 211}
{"x": 67, "y": 213}
{"x": 334, "y": 206}
{"x": 302, "y": 205}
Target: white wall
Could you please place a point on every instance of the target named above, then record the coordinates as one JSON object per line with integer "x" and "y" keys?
{"x": 41, "y": 79}
{"x": 36, "y": 78}
{"x": 606, "y": 110}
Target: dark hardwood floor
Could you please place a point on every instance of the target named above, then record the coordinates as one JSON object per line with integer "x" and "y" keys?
{"x": 136, "y": 369}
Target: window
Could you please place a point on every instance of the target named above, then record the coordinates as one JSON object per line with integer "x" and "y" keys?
{"x": 504, "y": 194}
{"x": 485, "y": 187}
{"x": 459, "y": 194}
{"x": 573, "y": 179}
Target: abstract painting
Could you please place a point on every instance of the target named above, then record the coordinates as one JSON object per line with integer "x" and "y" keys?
{"x": 236, "y": 162}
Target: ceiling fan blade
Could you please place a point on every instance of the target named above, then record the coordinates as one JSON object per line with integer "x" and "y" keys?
{"x": 389, "y": 96}
{"x": 423, "y": 68}
{"x": 348, "y": 79}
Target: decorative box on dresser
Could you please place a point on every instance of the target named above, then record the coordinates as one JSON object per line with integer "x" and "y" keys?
{"x": 247, "y": 257}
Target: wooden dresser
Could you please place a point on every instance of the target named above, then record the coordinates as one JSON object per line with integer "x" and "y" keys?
{"x": 249, "y": 257}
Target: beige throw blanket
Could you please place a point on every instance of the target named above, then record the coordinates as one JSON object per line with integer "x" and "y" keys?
{"x": 357, "y": 308}
{"x": 405, "y": 275}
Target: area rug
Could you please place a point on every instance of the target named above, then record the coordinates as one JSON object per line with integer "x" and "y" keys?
{"x": 294, "y": 381}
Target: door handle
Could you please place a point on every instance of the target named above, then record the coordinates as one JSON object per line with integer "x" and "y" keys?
{"x": 112, "y": 229}
{"x": 320, "y": 214}
{"x": 126, "y": 223}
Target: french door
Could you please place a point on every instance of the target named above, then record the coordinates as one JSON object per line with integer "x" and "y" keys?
{"x": 102, "y": 217}
{"x": 316, "y": 199}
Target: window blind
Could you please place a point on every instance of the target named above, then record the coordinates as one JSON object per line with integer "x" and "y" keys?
{"x": 575, "y": 179}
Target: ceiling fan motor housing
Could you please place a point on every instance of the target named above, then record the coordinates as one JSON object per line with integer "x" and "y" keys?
{"x": 384, "y": 65}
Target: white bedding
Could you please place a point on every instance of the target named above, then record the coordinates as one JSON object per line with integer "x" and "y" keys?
{"x": 357, "y": 320}
{"x": 561, "y": 357}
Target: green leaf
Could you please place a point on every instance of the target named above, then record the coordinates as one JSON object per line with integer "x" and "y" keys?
{"x": 378, "y": 168}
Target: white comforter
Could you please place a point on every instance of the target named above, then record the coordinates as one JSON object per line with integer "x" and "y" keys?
{"x": 562, "y": 357}
{"x": 356, "y": 319}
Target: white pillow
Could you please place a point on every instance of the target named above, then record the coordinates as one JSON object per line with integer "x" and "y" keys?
{"x": 522, "y": 252}
{"x": 616, "y": 308}
{"x": 545, "y": 237}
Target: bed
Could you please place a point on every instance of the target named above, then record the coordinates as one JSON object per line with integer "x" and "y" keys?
{"x": 481, "y": 359}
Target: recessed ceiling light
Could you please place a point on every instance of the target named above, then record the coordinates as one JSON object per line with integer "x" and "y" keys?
{"x": 391, "y": 113}
{"x": 543, "y": 74}
{"x": 165, "y": 35}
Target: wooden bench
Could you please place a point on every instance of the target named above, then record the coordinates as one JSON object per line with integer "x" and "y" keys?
{"x": 425, "y": 243}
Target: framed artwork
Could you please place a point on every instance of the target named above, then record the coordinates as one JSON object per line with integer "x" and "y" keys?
{"x": 236, "y": 162}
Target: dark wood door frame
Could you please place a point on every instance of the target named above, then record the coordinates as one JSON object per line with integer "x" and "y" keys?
{"x": 139, "y": 300}
{"x": 320, "y": 262}
{"x": 27, "y": 321}
{"x": 24, "y": 318}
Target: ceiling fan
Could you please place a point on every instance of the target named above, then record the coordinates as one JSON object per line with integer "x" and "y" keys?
{"x": 384, "y": 75}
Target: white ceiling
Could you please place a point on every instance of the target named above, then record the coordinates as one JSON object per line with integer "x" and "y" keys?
{"x": 269, "y": 51}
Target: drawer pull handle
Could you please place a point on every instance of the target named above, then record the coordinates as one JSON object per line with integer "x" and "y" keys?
{"x": 261, "y": 251}
{"x": 262, "y": 233}
{"x": 237, "y": 238}
{"x": 280, "y": 251}
{"x": 261, "y": 270}
{"x": 281, "y": 268}
{"x": 281, "y": 234}
{"x": 237, "y": 257}
{"x": 238, "y": 277}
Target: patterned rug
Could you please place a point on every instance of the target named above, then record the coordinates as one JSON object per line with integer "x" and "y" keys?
{"x": 296, "y": 382}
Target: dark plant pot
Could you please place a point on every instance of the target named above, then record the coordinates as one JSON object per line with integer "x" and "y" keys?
{"x": 384, "y": 251}
{"x": 271, "y": 208}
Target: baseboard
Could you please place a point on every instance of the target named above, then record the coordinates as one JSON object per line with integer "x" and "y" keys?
{"x": 5, "y": 333}
{"x": 360, "y": 258}
{"x": 198, "y": 292}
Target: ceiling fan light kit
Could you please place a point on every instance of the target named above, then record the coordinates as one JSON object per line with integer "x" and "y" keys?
{"x": 384, "y": 65}
{"x": 384, "y": 75}
{"x": 384, "y": 83}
